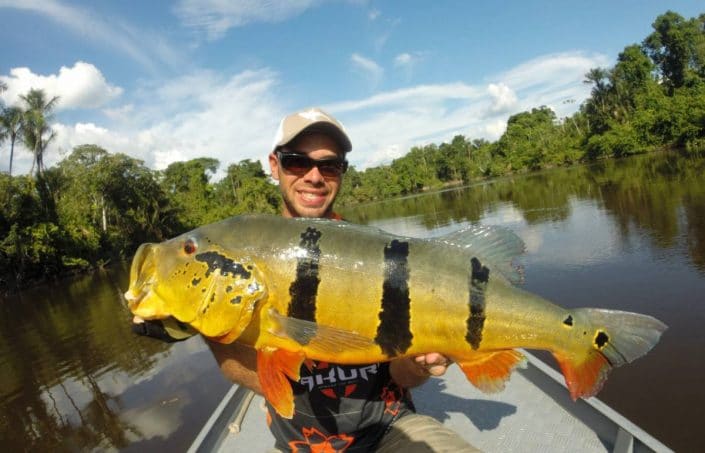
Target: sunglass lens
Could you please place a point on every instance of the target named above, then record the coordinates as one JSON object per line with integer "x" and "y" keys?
{"x": 330, "y": 168}
{"x": 296, "y": 163}
{"x": 301, "y": 164}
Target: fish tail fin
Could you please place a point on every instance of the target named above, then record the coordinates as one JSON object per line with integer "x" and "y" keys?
{"x": 489, "y": 371}
{"x": 618, "y": 338}
{"x": 274, "y": 366}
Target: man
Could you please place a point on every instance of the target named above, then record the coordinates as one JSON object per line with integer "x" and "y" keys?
{"x": 342, "y": 408}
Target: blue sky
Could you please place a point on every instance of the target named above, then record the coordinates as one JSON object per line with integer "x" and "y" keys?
{"x": 167, "y": 81}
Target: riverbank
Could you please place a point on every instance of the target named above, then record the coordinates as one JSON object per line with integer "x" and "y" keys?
{"x": 60, "y": 267}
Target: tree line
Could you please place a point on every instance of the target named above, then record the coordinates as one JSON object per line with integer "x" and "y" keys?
{"x": 95, "y": 206}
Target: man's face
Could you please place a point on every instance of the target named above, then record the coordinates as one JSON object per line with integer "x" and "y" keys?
{"x": 310, "y": 194}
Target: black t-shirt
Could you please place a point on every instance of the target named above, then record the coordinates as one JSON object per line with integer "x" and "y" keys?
{"x": 340, "y": 408}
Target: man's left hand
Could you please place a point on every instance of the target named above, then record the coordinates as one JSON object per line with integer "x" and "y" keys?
{"x": 433, "y": 363}
{"x": 413, "y": 371}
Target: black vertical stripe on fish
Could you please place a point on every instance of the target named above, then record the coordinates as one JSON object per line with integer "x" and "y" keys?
{"x": 304, "y": 288}
{"x": 479, "y": 276}
{"x": 394, "y": 333}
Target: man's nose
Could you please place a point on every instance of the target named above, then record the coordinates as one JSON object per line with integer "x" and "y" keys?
{"x": 314, "y": 175}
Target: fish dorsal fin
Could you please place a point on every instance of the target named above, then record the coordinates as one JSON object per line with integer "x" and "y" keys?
{"x": 495, "y": 245}
{"x": 317, "y": 337}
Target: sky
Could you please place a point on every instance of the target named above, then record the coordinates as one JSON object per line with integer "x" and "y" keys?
{"x": 171, "y": 81}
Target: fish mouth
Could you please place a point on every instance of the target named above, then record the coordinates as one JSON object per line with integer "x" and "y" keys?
{"x": 142, "y": 279}
{"x": 133, "y": 299}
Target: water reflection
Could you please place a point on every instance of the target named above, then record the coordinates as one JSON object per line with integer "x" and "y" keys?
{"x": 626, "y": 235}
{"x": 660, "y": 196}
{"x": 620, "y": 234}
{"x": 74, "y": 377}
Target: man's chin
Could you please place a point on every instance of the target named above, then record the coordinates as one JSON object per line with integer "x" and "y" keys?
{"x": 312, "y": 211}
{"x": 302, "y": 210}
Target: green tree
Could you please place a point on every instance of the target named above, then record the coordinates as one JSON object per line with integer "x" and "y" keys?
{"x": 30, "y": 246}
{"x": 110, "y": 203}
{"x": 677, "y": 47}
{"x": 596, "y": 107}
{"x": 245, "y": 189}
{"x": 36, "y": 128}
{"x": 3, "y": 132}
{"x": 186, "y": 184}
{"x": 530, "y": 139}
{"x": 11, "y": 127}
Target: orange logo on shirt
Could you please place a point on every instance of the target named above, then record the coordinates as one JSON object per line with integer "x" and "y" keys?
{"x": 392, "y": 396}
{"x": 317, "y": 442}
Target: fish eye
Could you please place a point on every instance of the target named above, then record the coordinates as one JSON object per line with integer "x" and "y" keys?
{"x": 190, "y": 247}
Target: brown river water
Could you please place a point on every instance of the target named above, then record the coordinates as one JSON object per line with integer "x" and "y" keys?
{"x": 626, "y": 235}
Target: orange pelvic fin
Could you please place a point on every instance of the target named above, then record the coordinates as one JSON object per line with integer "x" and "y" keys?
{"x": 489, "y": 371}
{"x": 273, "y": 368}
{"x": 585, "y": 377}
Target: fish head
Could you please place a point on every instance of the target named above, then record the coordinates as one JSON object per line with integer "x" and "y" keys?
{"x": 197, "y": 282}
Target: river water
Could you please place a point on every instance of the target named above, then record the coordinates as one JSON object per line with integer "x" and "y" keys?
{"x": 626, "y": 235}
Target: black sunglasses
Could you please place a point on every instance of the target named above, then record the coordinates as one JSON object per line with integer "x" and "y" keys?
{"x": 300, "y": 164}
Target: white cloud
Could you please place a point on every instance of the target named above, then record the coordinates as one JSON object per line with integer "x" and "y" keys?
{"x": 403, "y": 59}
{"x": 234, "y": 117}
{"x": 552, "y": 80}
{"x": 121, "y": 113}
{"x": 412, "y": 96}
{"x": 200, "y": 114}
{"x": 373, "y": 14}
{"x": 369, "y": 68}
{"x": 407, "y": 62}
{"x": 81, "y": 86}
{"x": 503, "y": 97}
{"x": 385, "y": 123}
{"x": 554, "y": 69}
{"x": 494, "y": 129}
{"x": 141, "y": 46}
{"x": 216, "y": 17}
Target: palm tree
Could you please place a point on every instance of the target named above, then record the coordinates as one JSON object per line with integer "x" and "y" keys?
{"x": 11, "y": 121}
{"x": 37, "y": 132}
{"x": 3, "y": 132}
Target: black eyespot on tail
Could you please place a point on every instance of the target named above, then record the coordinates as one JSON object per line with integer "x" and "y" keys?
{"x": 394, "y": 333}
{"x": 601, "y": 339}
{"x": 568, "y": 321}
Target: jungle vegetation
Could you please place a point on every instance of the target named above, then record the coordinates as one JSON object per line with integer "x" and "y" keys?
{"x": 96, "y": 206}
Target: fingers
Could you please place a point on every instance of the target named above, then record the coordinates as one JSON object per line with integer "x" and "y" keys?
{"x": 434, "y": 363}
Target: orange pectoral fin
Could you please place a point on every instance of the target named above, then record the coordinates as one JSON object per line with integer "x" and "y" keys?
{"x": 489, "y": 371}
{"x": 273, "y": 368}
{"x": 586, "y": 377}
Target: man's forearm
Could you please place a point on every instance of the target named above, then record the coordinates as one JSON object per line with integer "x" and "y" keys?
{"x": 238, "y": 363}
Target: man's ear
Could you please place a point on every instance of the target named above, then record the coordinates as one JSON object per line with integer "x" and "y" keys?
{"x": 274, "y": 166}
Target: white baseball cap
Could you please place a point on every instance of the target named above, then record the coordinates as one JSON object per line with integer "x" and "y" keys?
{"x": 311, "y": 120}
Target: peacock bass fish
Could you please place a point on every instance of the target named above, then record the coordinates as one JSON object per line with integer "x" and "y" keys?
{"x": 298, "y": 289}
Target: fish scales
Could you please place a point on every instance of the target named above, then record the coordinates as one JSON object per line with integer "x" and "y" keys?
{"x": 351, "y": 291}
{"x": 333, "y": 291}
